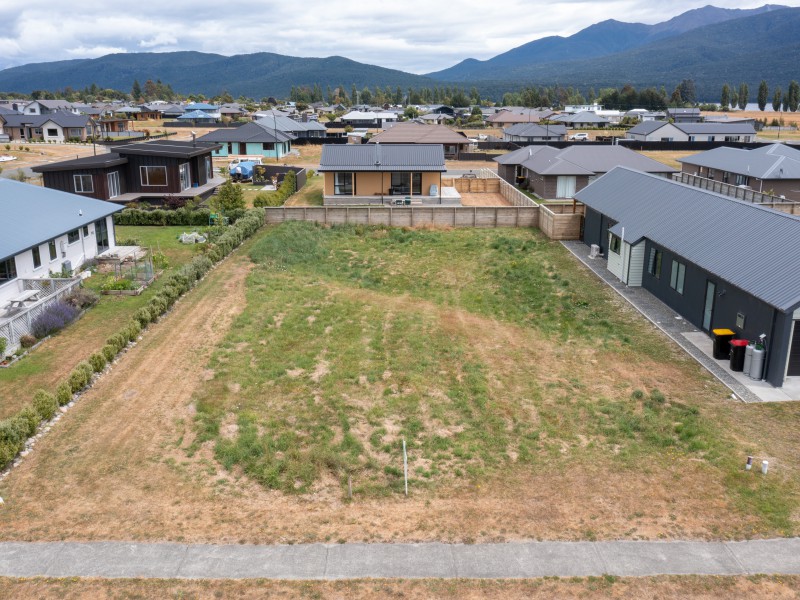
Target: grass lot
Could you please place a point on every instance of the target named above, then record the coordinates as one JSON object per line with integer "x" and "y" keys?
{"x": 310, "y": 195}
{"x": 668, "y": 158}
{"x": 642, "y": 588}
{"x": 536, "y": 405}
{"x": 355, "y": 338}
{"x": 53, "y": 360}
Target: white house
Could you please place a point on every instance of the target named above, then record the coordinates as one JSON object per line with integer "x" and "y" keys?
{"x": 44, "y": 231}
{"x": 663, "y": 131}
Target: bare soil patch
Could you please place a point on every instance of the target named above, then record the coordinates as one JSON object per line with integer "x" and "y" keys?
{"x": 483, "y": 199}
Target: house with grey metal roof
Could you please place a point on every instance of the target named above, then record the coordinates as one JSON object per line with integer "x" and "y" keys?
{"x": 44, "y": 231}
{"x": 385, "y": 174}
{"x": 684, "y": 115}
{"x": 773, "y": 169}
{"x": 554, "y": 173}
{"x": 533, "y": 132}
{"x": 664, "y": 131}
{"x": 582, "y": 120}
{"x": 51, "y": 127}
{"x": 717, "y": 261}
{"x": 148, "y": 171}
{"x": 253, "y": 139}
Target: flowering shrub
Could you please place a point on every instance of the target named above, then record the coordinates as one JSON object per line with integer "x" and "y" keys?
{"x": 56, "y": 316}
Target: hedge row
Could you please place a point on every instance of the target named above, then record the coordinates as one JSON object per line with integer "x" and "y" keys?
{"x": 279, "y": 196}
{"x": 14, "y": 431}
{"x": 179, "y": 216}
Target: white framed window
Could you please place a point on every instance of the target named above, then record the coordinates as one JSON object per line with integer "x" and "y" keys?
{"x": 113, "y": 184}
{"x": 83, "y": 184}
{"x": 73, "y": 236}
{"x": 153, "y": 176}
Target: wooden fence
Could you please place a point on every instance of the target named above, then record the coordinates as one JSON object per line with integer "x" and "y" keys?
{"x": 414, "y": 216}
{"x": 558, "y": 222}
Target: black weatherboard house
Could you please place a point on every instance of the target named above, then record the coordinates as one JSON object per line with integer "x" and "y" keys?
{"x": 717, "y": 261}
{"x": 133, "y": 172}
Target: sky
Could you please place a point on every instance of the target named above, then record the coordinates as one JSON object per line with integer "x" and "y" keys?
{"x": 417, "y": 36}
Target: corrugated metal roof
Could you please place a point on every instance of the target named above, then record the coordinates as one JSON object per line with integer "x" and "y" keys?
{"x": 647, "y": 127}
{"x": 31, "y": 215}
{"x": 171, "y": 148}
{"x": 769, "y": 162}
{"x": 382, "y": 157}
{"x": 254, "y": 132}
{"x": 753, "y": 248}
{"x": 716, "y": 128}
{"x": 535, "y": 130}
{"x": 416, "y": 133}
{"x": 101, "y": 161}
{"x": 581, "y": 159}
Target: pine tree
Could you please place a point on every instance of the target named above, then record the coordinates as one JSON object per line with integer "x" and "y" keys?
{"x": 136, "y": 91}
{"x": 793, "y": 96}
{"x": 763, "y": 94}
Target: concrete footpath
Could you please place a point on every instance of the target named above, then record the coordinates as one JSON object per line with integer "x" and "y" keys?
{"x": 414, "y": 561}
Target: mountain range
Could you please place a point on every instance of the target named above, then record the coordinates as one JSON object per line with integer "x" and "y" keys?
{"x": 710, "y": 45}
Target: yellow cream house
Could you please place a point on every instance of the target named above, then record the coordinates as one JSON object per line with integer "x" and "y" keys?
{"x": 384, "y": 174}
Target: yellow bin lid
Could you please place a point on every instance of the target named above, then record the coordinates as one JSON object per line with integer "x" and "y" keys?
{"x": 722, "y": 332}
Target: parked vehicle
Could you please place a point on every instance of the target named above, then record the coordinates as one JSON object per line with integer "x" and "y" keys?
{"x": 236, "y": 161}
{"x": 579, "y": 137}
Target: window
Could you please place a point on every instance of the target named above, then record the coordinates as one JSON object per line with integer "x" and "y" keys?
{"x": 614, "y": 244}
{"x": 343, "y": 184}
{"x": 742, "y": 180}
{"x": 731, "y": 138}
{"x": 52, "y": 132}
{"x": 37, "y": 257}
{"x": 37, "y": 131}
{"x": 725, "y": 176}
{"x": 654, "y": 263}
{"x": 113, "y": 184}
{"x": 710, "y": 138}
{"x": 8, "y": 270}
{"x": 51, "y": 245}
{"x": 677, "y": 276}
{"x": 154, "y": 176}
{"x": 209, "y": 169}
{"x": 268, "y": 146}
{"x": 85, "y": 230}
{"x": 73, "y": 236}
{"x": 691, "y": 138}
{"x": 83, "y": 184}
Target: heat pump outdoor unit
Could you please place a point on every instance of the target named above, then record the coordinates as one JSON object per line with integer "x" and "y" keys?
{"x": 594, "y": 252}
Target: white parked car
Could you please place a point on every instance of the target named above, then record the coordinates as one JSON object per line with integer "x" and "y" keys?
{"x": 579, "y": 137}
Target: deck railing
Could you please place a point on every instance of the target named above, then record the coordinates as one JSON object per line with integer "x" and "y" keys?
{"x": 13, "y": 326}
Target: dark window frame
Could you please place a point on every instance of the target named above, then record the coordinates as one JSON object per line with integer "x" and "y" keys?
{"x": 37, "y": 257}
{"x": 677, "y": 277}
{"x": 346, "y": 187}
{"x": 615, "y": 244}
{"x": 73, "y": 237}
{"x": 53, "y": 250}
{"x": 145, "y": 177}
{"x": 8, "y": 270}
{"x": 654, "y": 262}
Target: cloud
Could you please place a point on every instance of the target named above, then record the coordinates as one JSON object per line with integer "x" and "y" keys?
{"x": 414, "y": 35}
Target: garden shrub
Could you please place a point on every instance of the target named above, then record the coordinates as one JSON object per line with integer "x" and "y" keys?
{"x": 143, "y": 317}
{"x": 82, "y": 298}
{"x": 55, "y": 317}
{"x": 27, "y": 341}
{"x": 29, "y": 420}
{"x": 109, "y": 352}
{"x": 98, "y": 362}
{"x": 45, "y": 404}
{"x": 63, "y": 393}
{"x": 78, "y": 379}
{"x": 181, "y": 216}
{"x": 3, "y": 346}
{"x": 133, "y": 330}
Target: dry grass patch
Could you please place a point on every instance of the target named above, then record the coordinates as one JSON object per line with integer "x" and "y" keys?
{"x": 643, "y": 588}
{"x": 668, "y": 158}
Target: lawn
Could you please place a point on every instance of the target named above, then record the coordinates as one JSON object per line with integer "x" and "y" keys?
{"x": 310, "y": 195}
{"x": 53, "y": 360}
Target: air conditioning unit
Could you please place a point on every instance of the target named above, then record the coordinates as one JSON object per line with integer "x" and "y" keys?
{"x": 594, "y": 252}
{"x": 67, "y": 266}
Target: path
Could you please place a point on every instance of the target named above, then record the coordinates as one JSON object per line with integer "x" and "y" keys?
{"x": 407, "y": 561}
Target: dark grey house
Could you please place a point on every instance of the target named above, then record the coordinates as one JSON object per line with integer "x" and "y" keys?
{"x": 717, "y": 261}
